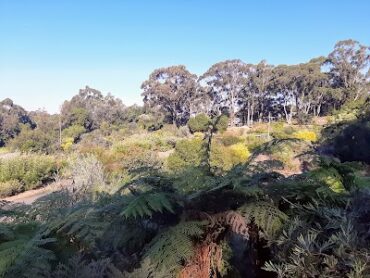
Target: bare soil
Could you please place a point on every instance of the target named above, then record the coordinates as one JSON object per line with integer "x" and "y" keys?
{"x": 28, "y": 197}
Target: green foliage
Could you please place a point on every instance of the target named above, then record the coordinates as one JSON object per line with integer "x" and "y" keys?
{"x": 73, "y": 131}
{"x": 229, "y": 139}
{"x": 146, "y": 204}
{"x": 77, "y": 116}
{"x": 26, "y": 171}
{"x": 172, "y": 248}
{"x": 188, "y": 153}
{"x": 82, "y": 226}
{"x": 78, "y": 267}
{"x": 330, "y": 177}
{"x": 192, "y": 179}
{"x": 221, "y": 123}
{"x": 10, "y": 187}
{"x": 266, "y": 216}
{"x": 24, "y": 255}
{"x": 199, "y": 123}
{"x": 352, "y": 143}
{"x": 34, "y": 140}
{"x": 224, "y": 158}
{"x": 330, "y": 246}
{"x": 12, "y": 118}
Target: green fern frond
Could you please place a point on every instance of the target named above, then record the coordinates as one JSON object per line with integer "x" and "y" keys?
{"x": 148, "y": 203}
{"x": 169, "y": 250}
{"x": 25, "y": 256}
{"x": 266, "y": 216}
{"x": 83, "y": 226}
{"x": 6, "y": 233}
{"x": 77, "y": 267}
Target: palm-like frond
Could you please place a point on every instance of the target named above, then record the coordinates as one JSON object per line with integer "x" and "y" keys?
{"x": 266, "y": 216}
{"x": 148, "y": 203}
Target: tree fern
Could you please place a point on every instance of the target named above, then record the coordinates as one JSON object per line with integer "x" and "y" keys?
{"x": 266, "y": 216}
{"x": 148, "y": 203}
{"x": 25, "y": 256}
{"x": 169, "y": 250}
{"x": 77, "y": 267}
{"x": 83, "y": 226}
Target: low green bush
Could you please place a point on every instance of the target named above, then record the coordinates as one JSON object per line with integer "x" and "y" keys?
{"x": 28, "y": 170}
{"x": 34, "y": 140}
{"x": 229, "y": 139}
{"x": 221, "y": 123}
{"x": 199, "y": 123}
{"x": 74, "y": 131}
{"x": 188, "y": 153}
{"x": 224, "y": 158}
{"x": 329, "y": 177}
{"x": 10, "y": 187}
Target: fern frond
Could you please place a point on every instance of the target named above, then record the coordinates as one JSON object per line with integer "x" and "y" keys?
{"x": 169, "y": 250}
{"x": 148, "y": 203}
{"x": 25, "y": 256}
{"x": 83, "y": 225}
{"x": 6, "y": 233}
{"x": 266, "y": 216}
{"x": 77, "y": 267}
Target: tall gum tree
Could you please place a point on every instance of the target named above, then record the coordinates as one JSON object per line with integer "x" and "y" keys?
{"x": 226, "y": 82}
{"x": 349, "y": 63}
{"x": 171, "y": 89}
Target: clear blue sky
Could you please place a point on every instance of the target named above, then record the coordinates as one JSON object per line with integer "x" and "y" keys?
{"x": 50, "y": 49}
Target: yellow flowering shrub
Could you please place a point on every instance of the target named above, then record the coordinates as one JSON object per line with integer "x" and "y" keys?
{"x": 67, "y": 143}
{"x": 306, "y": 135}
{"x": 223, "y": 158}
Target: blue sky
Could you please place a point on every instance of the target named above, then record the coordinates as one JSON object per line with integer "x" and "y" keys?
{"x": 50, "y": 49}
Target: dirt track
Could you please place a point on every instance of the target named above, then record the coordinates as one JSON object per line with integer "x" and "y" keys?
{"x": 30, "y": 196}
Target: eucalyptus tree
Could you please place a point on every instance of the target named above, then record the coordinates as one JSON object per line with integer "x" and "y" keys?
{"x": 226, "y": 82}
{"x": 283, "y": 88}
{"x": 171, "y": 89}
{"x": 90, "y": 108}
{"x": 259, "y": 85}
{"x": 349, "y": 63}
{"x": 12, "y": 117}
{"x": 313, "y": 87}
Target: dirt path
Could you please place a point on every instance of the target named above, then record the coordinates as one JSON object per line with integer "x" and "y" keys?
{"x": 30, "y": 196}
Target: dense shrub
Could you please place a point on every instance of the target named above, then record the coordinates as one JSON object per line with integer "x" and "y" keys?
{"x": 87, "y": 173}
{"x": 199, "y": 123}
{"x": 74, "y": 131}
{"x": 281, "y": 130}
{"x": 306, "y": 135}
{"x": 188, "y": 153}
{"x": 329, "y": 177}
{"x": 221, "y": 123}
{"x": 67, "y": 143}
{"x": 34, "y": 140}
{"x": 29, "y": 171}
{"x": 286, "y": 151}
{"x": 10, "y": 187}
{"x": 353, "y": 144}
{"x": 253, "y": 141}
{"x": 152, "y": 121}
{"x": 12, "y": 118}
{"x": 223, "y": 158}
{"x": 228, "y": 139}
